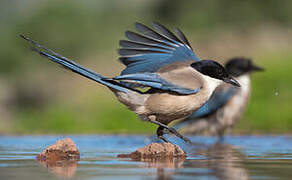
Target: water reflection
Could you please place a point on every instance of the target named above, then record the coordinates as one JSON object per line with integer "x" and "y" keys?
{"x": 61, "y": 169}
{"x": 162, "y": 174}
{"x": 164, "y": 165}
{"x": 169, "y": 162}
{"x": 224, "y": 160}
{"x": 230, "y": 166}
{"x": 241, "y": 157}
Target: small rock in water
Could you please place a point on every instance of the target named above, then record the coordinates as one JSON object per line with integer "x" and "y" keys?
{"x": 64, "y": 149}
{"x": 156, "y": 150}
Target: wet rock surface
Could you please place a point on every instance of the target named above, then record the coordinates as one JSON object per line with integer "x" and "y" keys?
{"x": 64, "y": 149}
{"x": 156, "y": 150}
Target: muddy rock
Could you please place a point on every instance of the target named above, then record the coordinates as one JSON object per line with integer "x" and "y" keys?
{"x": 64, "y": 149}
{"x": 155, "y": 150}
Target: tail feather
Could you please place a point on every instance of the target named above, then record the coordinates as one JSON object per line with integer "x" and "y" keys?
{"x": 77, "y": 68}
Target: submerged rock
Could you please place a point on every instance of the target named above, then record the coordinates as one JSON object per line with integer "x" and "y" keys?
{"x": 155, "y": 150}
{"x": 64, "y": 149}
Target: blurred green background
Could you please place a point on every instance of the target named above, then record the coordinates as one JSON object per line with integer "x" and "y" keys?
{"x": 36, "y": 96}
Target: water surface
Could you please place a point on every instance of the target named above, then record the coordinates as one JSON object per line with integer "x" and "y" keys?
{"x": 238, "y": 157}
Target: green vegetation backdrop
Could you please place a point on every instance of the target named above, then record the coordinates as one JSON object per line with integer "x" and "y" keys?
{"x": 36, "y": 96}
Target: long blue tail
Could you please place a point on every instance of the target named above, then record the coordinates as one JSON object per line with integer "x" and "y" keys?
{"x": 77, "y": 68}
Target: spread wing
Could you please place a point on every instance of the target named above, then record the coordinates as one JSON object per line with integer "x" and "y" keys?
{"x": 152, "y": 49}
{"x": 152, "y": 80}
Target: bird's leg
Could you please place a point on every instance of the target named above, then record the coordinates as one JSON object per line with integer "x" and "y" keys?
{"x": 170, "y": 129}
{"x": 160, "y": 132}
{"x": 220, "y": 135}
{"x": 174, "y": 131}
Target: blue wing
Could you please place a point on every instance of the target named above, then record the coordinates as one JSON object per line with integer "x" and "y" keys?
{"x": 152, "y": 80}
{"x": 218, "y": 99}
{"x": 152, "y": 49}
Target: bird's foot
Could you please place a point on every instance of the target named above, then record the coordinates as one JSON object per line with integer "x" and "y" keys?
{"x": 168, "y": 130}
{"x": 174, "y": 131}
{"x": 163, "y": 139}
{"x": 163, "y": 129}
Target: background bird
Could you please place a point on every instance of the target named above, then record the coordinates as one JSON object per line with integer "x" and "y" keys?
{"x": 163, "y": 80}
{"x": 226, "y": 105}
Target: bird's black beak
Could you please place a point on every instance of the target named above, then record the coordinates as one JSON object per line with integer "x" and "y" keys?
{"x": 232, "y": 81}
{"x": 256, "y": 68}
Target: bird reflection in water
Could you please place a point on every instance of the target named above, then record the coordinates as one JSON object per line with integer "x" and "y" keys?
{"x": 224, "y": 160}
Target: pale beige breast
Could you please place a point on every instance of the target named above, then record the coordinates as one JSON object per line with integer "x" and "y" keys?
{"x": 173, "y": 106}
{"x": 165, "y": 103}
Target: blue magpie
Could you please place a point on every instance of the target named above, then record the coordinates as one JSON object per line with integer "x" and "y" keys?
{"x": 163, "y": 80}
{"x": 227, "y": 103}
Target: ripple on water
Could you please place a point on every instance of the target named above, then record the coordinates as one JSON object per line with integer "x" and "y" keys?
{"x": 238, "y": 157}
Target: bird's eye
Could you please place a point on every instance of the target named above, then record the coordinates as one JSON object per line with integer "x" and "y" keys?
{"x": 220, "y": 73}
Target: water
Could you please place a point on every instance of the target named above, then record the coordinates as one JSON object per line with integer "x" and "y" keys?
{"x": 238, "y": 157}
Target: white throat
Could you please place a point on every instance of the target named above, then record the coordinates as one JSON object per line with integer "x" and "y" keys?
{"x": 211, "y": 83}
{"x": 244, "y": 81}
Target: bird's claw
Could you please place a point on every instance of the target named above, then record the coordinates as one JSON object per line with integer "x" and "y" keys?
{"x": 174, "y": 131}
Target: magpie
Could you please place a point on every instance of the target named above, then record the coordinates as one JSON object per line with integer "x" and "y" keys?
{"x": 163, "y": 80}
{"x": 227, "y": 103}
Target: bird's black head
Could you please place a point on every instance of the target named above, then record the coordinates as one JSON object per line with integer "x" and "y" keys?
{"x": 214, "y": 70}
{"x": 239, "y": 66}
